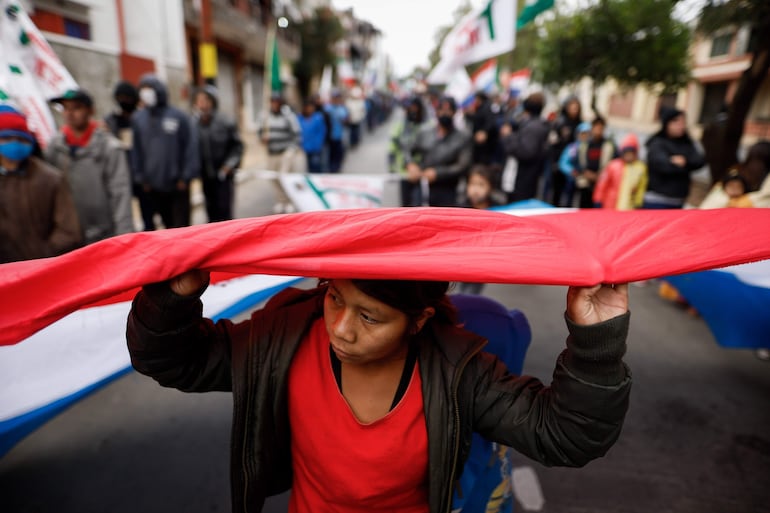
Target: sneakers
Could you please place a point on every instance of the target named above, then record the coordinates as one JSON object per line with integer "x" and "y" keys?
{"x": 763, "y": 354}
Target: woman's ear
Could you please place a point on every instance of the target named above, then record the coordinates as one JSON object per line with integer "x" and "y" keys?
{"x": 422, "y": 319}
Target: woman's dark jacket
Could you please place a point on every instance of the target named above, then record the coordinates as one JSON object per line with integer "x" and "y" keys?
{"x": 666, "y": 178}
{"x": 571, "y": 422}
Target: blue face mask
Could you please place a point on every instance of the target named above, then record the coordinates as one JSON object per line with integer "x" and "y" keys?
{"x": 15, "y": 150}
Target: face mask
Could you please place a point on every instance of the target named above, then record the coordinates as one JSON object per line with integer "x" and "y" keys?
{"x": 148, "y": 96}
{"x": 127, "y": 107}
{"x": 15, "y": 150}
{"x": 446, "y": 121}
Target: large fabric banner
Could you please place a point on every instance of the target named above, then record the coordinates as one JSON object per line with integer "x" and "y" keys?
{"x": 733, "y": 301}
{"x": 30, "y": 72}
{"x": 86, "y": 350}
{"x": 579, "y": 248}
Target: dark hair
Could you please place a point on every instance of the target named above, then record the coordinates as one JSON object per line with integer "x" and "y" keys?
{"x": 490, "y": 172}
{"x": 756, "y": 166}
{"x": 734, "y": 175}
{"x": 416, "y": 102}
{"x": 410, "y": 296}
{"x": 598, "y": 120}
{"x": 449, "y": 101}
{"x": 534, "y": 103}
{"x": 125, "y": 88}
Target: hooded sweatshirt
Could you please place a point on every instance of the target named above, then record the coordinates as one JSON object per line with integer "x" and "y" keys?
{"x": 621, "y": 185}
{"x": 165, "y": 144}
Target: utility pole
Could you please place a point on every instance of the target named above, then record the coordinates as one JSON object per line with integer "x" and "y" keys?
{"x": 207, "y": 49}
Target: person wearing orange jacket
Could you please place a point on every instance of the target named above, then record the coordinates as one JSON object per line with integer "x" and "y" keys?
{"x": 622, "y": 184}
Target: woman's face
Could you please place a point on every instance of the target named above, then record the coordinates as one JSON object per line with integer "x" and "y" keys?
{"x": 676, "y": 127}
{"x": 363, "y": 330}
{"x": 573, "y": 109}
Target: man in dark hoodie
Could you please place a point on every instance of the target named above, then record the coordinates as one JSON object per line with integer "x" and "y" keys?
{"x": 527, "y": 143}
{"x": 221, "y": 150}
{"x": 671, "y": 157}
{"x": 165, "y": 156}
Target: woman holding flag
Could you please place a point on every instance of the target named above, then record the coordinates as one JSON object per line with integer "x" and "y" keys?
{"x": 362, "y": 395}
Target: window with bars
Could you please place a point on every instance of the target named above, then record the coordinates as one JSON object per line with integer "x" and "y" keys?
{"x": 720, "y": 45}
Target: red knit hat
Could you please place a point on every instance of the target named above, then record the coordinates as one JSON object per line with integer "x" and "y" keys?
{"x": 13, "y": 123}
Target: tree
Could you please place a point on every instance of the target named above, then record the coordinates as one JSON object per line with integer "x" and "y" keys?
{"x": 318, "y": 35}
{"x": 634, "y": 42}
{"x": 722, "y": 152}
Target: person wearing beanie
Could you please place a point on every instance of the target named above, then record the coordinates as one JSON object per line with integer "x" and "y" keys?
{"x": 37, "y": 213}
{"x": 221, "y": 150}
{"x": 96, "y": 167}
{"x": 527, "y": 144}
{"x": 623, "y": 182}
{"x": 672, "y": 156}
{"x": 126, "y": 98}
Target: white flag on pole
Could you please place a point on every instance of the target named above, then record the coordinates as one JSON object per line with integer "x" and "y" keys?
{"x": 481, "y": 34}
{"x": 30, "y": 72}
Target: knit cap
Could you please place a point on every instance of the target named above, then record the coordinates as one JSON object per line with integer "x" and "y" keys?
{"x": 14, "y": 123}
{"x": 629, "y": 143}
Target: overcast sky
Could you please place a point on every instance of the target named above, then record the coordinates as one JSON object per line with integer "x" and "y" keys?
{"x": 408, "y": 26}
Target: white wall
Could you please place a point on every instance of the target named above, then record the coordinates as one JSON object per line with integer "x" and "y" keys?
{"x": 155, "y": 30}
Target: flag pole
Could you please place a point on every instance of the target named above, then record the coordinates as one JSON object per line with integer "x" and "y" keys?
{"x": 268, "y": 73}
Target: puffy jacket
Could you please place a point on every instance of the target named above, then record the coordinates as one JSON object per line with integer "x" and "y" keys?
{"x": 220, "y": 145}
{"x": 464, "y": 389}
{"x": 101, "y": 183}
{"x": 451, "y": 156}
{"x": 666, "y": 178}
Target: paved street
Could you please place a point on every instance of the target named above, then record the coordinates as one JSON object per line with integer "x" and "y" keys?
{"x": 696, "y": 439}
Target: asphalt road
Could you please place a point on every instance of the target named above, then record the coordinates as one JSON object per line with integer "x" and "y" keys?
{"x": 696, "y": 439}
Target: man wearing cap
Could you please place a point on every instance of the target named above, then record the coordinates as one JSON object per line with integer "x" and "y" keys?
{"x": 279, "y": 130}
{"x": 95, "y": 164}
{"x": 37, "y": 214}
{"x": 221, "y": 150}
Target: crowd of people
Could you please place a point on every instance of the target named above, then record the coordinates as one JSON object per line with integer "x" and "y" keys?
{"x": 78, "y": 188}
{"x": 563, "y": 158}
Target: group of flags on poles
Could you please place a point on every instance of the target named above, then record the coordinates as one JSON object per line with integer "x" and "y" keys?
{"x": 483, "y": 34}
{"x": 30, "y": 72}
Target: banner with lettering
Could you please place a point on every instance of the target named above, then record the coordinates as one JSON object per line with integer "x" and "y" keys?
{"x": 30, "y": 72}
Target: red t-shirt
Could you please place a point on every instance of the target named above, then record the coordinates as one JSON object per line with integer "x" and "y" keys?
{"x": 342, "y": 465}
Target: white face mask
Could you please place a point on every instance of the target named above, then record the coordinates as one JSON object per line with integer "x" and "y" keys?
{"x": 148, "y": 96}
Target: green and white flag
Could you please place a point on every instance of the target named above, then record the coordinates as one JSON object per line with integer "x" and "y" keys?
{"x": 531, "y": 9}
{"x": 481, "y": 34}
{"x": 30, "y": 72}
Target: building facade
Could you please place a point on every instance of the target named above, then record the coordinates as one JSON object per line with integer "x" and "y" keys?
{"x": 103, "y": 41}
